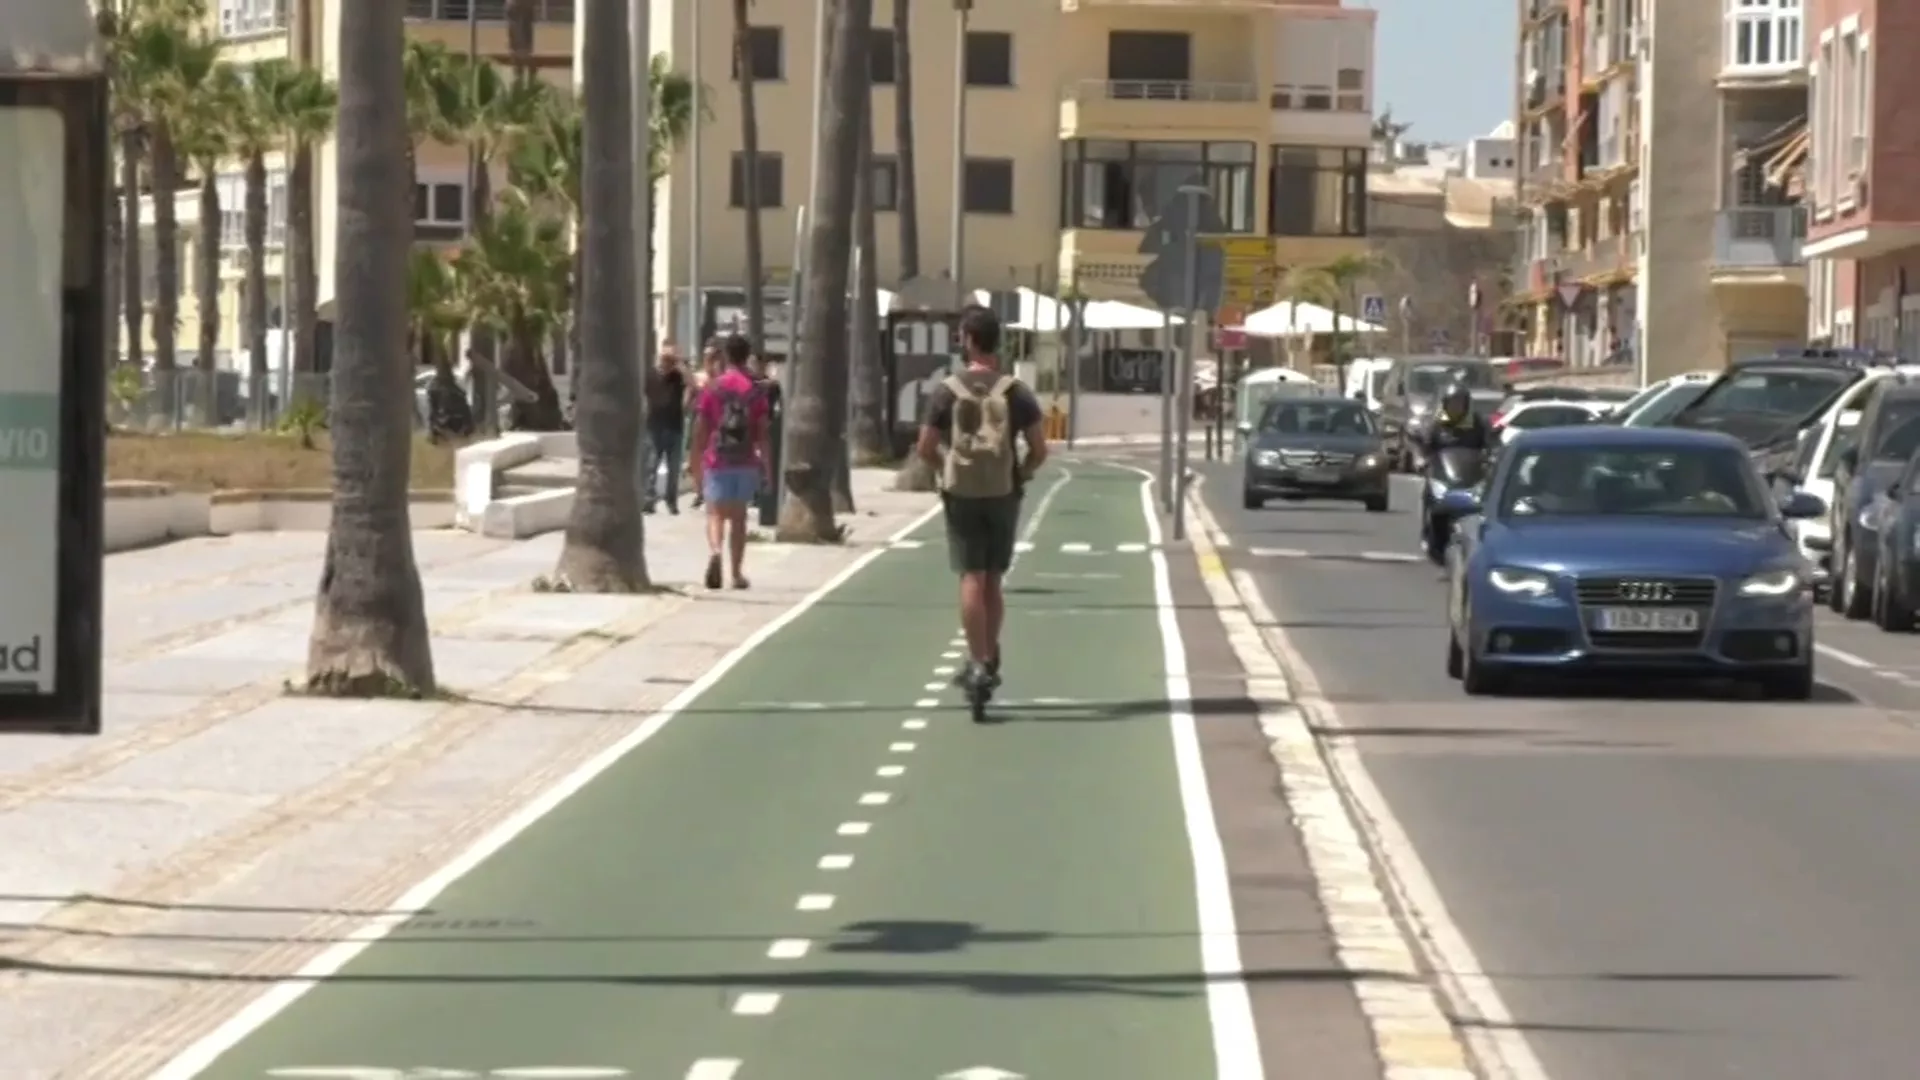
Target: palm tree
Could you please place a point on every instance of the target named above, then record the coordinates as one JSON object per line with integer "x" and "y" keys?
{"x": 434, "y": 95}
{"x": 299, "y": 105}
{"x": 205, "y": 128}
{"x": 906, "y": 194}
{"x": 1336, "y": 285}
{"x": 1387, "y": 130}
{"x": 869, "y": 441}
{"x": 749, "y": 170}
{"x": 516, "y": 273}
{"x": 174, "y": 50}
{"x": 437, "y": 309}
{"x": 815, "y": 447}
{"x": 605, "y": 546}
{"x": 257, "y": 130}
{"x": 370, "y": 626}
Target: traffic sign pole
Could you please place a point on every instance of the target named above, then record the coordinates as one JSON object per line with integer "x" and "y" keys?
{"x": 1194, "y": 193}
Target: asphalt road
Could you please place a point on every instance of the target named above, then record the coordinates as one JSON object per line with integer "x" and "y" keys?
{"x": 1662, "y": 884}
{"x": 821, "y": 869}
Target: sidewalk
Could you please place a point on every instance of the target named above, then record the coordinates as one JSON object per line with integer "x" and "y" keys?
{"x": 222, "y": 832}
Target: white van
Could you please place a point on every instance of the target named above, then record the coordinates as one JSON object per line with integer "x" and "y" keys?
{"x": 1365, "y": 378}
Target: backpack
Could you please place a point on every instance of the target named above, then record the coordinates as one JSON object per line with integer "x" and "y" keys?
{"x": 733, "y": 437}
{"x": 979, "y": 441}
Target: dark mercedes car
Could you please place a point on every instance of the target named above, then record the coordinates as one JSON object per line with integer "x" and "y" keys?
{"x": 1316, "y": 448}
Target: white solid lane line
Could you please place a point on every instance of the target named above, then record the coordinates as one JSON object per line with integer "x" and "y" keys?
{"x": 1236, "y": 1041}
{"x": 1845, "y": 657}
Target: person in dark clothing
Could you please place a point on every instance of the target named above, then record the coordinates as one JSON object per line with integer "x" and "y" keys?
{"x": 1457, "y": 426}
{"x": 668, "y": 392}
{"x": 972, "y": 421}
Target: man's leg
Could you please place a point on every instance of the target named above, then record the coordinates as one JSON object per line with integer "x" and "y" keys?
{"x": 1003, "y": 524}
{"x": 671, "y": 447}
{"x": 716, "y": 526}
{"x": 649, "y": 465}
{"x": 736, "y": 515}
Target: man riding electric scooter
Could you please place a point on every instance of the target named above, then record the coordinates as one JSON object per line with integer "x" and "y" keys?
{"x": 1456, "y": 449}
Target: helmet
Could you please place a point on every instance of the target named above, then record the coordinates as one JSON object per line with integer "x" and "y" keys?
{"x": 1457, "y": 401}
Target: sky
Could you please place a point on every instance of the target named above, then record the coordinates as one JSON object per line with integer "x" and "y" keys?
{"x": 1445, "y": 66}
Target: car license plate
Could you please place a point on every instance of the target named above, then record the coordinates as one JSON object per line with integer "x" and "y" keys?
{"x": 1318, "y": 476}
{"x": 1653, "y": 620}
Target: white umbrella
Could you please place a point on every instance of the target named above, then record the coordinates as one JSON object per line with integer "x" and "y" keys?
{"x": 1114, "y": 315}
{"x": 1041, "y": 313}
{"x": 1290, "y": 318}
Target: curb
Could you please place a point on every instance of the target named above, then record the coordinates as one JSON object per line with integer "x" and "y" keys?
{"x": 1412, "y": 1034}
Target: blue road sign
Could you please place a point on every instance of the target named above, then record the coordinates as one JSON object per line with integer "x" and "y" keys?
{"x": 1373, "y": 308}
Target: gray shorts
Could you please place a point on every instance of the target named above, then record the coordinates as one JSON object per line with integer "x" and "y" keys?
{"x": 980, "y": 533}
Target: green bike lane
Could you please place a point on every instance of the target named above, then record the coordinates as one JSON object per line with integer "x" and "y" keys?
{"x": 875, "y": 888}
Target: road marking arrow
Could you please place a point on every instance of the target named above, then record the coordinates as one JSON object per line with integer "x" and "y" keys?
{"x": 983, "y": 1072}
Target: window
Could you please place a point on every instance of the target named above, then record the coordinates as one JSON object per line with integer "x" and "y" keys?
{"x": 1318, "y": 191}
{"x": 989, "y": 186}
{"x": 770, "y": 175}
{"x": 440, "y": 202}
{"x": 1860, "y": 104}
{"x": 880, "y": 56}
{"x": 232, "y": 188}
{"x": 240, "y": 17}
{"x": 1149, "y": 56}
{"x": 1322, "y": 65}
{"x": 546, "y": 11}
{"x": 886, "y": 183}
{"x": 1123, "y": 185}
{"x": 989, "y": 58}
{"x": 1764, "y": 35}
{"x": 764, "y": 53}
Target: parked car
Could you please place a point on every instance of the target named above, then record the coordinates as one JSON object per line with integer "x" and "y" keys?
{"x": 1896, "y": 578}
{"x": 1889, "y": 433}
{"x": 1532, "y": 415}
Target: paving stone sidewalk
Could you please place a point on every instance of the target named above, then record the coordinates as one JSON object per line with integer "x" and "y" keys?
{"x": 221, "y": 832}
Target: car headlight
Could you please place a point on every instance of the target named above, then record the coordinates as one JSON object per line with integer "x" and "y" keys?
{"x": 1266, "y": 458}
{"x": 1435, "y": 488}
{"x": 1519, "y": 582}
{"x": 1867, "y": 518}
{"x": 1368, "y": 462}
{"x": 1771, "y": 583}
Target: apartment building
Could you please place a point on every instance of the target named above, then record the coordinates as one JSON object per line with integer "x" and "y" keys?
{"x": 309, "y": 30}
{"x": 1864, "y": 149}
{"x": 1083, "y": 119}
{"x": 1659, "y": 235}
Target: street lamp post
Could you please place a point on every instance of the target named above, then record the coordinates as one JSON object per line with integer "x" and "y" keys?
{"x": 957, "y": 256}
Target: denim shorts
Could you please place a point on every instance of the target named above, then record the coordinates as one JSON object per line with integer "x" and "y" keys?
{"x": 733, "y": 484}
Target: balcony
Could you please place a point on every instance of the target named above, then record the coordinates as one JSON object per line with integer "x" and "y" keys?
{"x": 1607, "y": 257}
{"x": 1547, "y": 180}
{"x": 1759, "y": 242}
{"x": 1116, "y": 107}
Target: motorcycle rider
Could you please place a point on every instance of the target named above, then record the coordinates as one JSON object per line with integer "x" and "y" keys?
{"x": 1457, "y": 426}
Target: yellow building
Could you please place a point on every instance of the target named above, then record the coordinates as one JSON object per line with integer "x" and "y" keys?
{"x": 1083, "y": 117}
{"x": 309, "y": 30}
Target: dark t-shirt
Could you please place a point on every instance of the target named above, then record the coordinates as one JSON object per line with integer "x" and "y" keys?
{"x": 1023, "y": 408}
{"x": 667, "y": 400}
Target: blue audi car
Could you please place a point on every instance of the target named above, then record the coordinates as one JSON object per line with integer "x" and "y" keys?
{"x": 1650, "y": 549}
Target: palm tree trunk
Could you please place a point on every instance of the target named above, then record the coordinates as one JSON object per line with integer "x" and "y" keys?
{"x": 605, "y": 548}
{"x": 868, "y": 438}
{"x": 816, "y": 409}
{"x": 304, "y": 285}
{"x": 525, "y": 362}
{"x": 206, "y": 289}
{"x": 370, "y": 626}
{"x": 906, "y": 196}
{"x": 116, "y": 258}
{"x": 164, "y": 165}
{"x": 750, "y": 166}
{"x": 520, "y": 40}
{"x": 258, "y": 382}
{"x": 133, "y": 312}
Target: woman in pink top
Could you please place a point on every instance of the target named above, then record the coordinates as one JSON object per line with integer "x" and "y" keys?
{"x": 730, "y": 437}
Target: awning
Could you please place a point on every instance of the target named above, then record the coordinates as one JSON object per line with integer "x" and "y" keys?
{"x": 1782, "y": 167}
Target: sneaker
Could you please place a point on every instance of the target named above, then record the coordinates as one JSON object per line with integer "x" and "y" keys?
{"x": 713, "y": 573}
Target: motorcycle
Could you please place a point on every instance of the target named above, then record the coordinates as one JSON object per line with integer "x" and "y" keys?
{"x": 1452, "y": 469}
